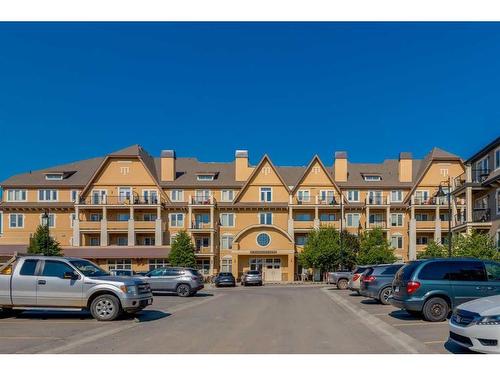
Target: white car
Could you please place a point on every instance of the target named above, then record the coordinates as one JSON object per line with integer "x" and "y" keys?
{"x": 476, "y": 325}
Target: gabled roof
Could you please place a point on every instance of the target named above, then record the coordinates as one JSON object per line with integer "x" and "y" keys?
{"x": 307, "y": 170}
{"x": 264, "y": 159}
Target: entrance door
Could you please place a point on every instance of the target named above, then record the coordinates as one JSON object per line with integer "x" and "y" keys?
{"x": 272, "y": 269}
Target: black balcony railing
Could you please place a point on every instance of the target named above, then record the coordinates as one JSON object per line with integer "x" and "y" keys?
{"x": 460, "y": 180}
{"x": 200, "y": 225}
{"x": 327, "y": 200}
{"x": 480, "y": 175}
{"x": 481, "y": 215}
{"x": 377, "y": 224}
{"x": 202, "y": 199}
{"x": 125, "y": 200}
{"x": 375, "y": 199}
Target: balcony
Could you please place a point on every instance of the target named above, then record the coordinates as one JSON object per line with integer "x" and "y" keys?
{"x": 118, "y": 225}
{"x": 318, "y": 200}
{"x": 303, "y": 224}
{"x": 144, "y": 225}
{"x": 430, "y": 201}
{"x": 426, "y": 224}
{"x": 329, "y": 224}
{"x": 201, "y": 200}
{"x": 377, "y": 224}
{"x": 201, "y": 227}
{"x": 202, "y": 250}
{"x": 479, "y": 215}
{"x": 94, "y": 226}
{"x": 112, "y": 200}
{"x": 376, "y": 200}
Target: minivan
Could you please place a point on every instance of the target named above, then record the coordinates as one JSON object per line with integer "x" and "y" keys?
{"x": 434, "y": 287}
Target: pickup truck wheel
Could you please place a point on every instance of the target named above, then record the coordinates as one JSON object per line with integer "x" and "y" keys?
{"x": 385, "y": 294}
{"x": 342, "y": 284}
{"x": 436, "y": 309}
{"x": 105, "y": 307}
{"x": 183, "y": 290}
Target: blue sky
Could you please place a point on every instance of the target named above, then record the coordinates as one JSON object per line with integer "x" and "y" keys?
{"x": 70, "y": 91}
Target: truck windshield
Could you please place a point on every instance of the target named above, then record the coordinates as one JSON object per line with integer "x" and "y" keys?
{"x": 88, "y": 268}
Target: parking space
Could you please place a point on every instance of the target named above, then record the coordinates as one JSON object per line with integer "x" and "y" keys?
{"x": 433, "y": 335}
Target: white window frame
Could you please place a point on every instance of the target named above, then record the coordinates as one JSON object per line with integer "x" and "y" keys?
{"x": 149, "y": 191}
{"x": 228, "y": 214}
{"x": 327, "y": 195}
{"x": 402, "y": 220}
{"x": 157, "y": 263}
{"x": 421, "y": 236}
{"x": 398, "y": 192}
{"x": 352, "y": 215}
{"x": 72, "y": 218}
{"x": 17, "y": 221}
{"x": 351, "y": 192}
{"x": 124, "y": 198}
{"x": 427, "y": 195}
{"x": 1, "y": 223}
{"x": 149, "y": 238}
{"x": 496, "y": 157}
{"x": 398, "y": 235}
{"x": 50, "y": 195}
{"x": 265, "y": 214}
{"x": 153, "y": 214}
{"x": 226, "y": 264}
{"x": 95, "y": 238}
{"x": 270, "y": 192}
{"x": 497, "y": 201}
{"x": 76, "y": 193}
{"x": 304, "y": 195}
{"x": 119, "y": 264}
{"x": 118, "y": 238}
{"x": 179, "y": 195}
{"x": 176, "y": 220}
{"x": 205, "y": 177}
{"x": 54, "y": 220}
{"x": 224, "y": 198}
{"x": 226, "y": 237}
{"x": 372, "y": 177}
{"x": 102, "y": 197}
{"x": 54, "y": 176}
{"x": 13, "y": 191}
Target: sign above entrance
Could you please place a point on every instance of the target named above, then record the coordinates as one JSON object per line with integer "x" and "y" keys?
{"x": 263, "y": 252}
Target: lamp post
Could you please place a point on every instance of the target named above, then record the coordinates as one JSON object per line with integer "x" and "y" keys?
{"x": 45, "y": 222}
{"x": 441, "y": 193}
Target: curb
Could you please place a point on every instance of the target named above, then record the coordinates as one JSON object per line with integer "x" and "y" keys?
{"x": 384, "y": 330}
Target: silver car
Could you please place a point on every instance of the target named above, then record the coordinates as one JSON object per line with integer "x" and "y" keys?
{"x": 251, "y": 278}
{"x": 183, "y": 281}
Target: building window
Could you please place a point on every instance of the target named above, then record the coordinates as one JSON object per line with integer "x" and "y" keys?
{"x": 266, "y": 194}
{"x": 16, "y": 195}
{"x": 396, "y": 196}
{"x": 177, "y": 220}
{"x": 123, "y": 217}
{"x": 498, "y": 240}
{"x": 498, "y": 201}
{"x": 397, "y": 220}
{"x": 497, "y": 158}
{"x": 177, "y": 195}
{"x": 124, "y": 194}
{"x": 421, "y": 197}
{"x": 51, "y": 219}
{"x": 421, "y": 217}
{"x": 47, "y": 195}
{"x": 303, "y": 217}
{"x": 205, "y": 177}
{"x": 444, "y": 216}
{"x": 150, "y": 196}
{"x": 202, "y": 196}
{"x": 120, "y": 264}
{"x": 95, "y": 217}
{"x": 203, "y": 265}
{"x": 157, "y": 263}
{"x": 300, "y": 240}
{"x": 422, "y": 240}
{"x": 353, "y": 220}
{"x": 227, "y": 264}
{"x": 397, "y": 241}
{"x": 227, "y": 242}
{"x": 327, "y": 217}
{"x": 353, "y": 195}
{"x": 227, "y": 220}
{"x": 1, "y": 223}
{"x": 74, "y": 196}
{"x": 304, "y": 196}
{"x": 53, "y": 176}
{"x": 99, "y": 196}
{"x": 327, "y": 197}
{"x": 227, "y": 195}
{"x": 122, "y": 241}
{"x": 16, "y": 221}
{"x": 149, "y": 217}
{"x": 72, "y": 218}
{"x": 372, "y": 178}
{"x": 376, "y": 218}
{"x": 266, "y": 218}
{"x": 148, "y": 241}
{"x": 95, "y": 241}
{"x": 263, "y": 239}
{"x": 202, "y": 242}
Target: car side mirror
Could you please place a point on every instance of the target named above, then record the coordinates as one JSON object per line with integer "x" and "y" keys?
{"x": 71, "y": 276}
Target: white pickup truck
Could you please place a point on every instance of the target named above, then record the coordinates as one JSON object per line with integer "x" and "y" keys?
{"x": 53, "y": 283}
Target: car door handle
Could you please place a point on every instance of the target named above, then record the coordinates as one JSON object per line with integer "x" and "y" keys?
{"x": 42, "y": 282}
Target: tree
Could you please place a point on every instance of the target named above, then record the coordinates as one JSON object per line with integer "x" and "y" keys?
{"x": 43, "y": 243}
{"x": 473, "y": 245}
{"x": 375, "y": 249}
{"x": 433, "y": 250}
{"x": 182, "y": 254}
{"x": 322, "y": 250}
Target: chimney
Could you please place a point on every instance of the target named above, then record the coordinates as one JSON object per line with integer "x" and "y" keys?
{"x": 168, "y": 165}
{"x": 405, "y": 167}
{"x": 242, "y": 170}
{"x": 340, "y": 166}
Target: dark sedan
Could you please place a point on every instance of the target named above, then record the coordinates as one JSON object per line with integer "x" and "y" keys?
{"x": 376, "y": 282}
{"x": 224, "y": 279}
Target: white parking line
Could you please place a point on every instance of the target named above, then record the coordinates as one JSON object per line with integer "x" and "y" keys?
{"x": 30, "y": 337}
{"x": 434, "y": 342}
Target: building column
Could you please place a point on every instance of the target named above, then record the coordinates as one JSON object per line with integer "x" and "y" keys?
{"x": 388, "y": 219}
{"x": 412, "y": 246}
{"x": 468, "y": 204}
{"x": 367, "y": 218}
{"x": 131, "y": 228}
{"x": 437, "y": 228}
{"x": 104, "y": 227}
{"x": 158, "y": 228}
{"x": 211, "y": 270}
{"x": 316, "y": 218}
{"x": 290, "y": 222}
{"x": 234, "y": 266}
{"x": 76, "y": 227}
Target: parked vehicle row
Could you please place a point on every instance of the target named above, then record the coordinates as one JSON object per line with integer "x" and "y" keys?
{"x": 465, "y": 288}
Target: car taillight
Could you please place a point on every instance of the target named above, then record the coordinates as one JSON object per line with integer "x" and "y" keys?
{"x": 368, "y": 279}
{"x": 355, "y": 276}
{"x": 412, "y": 286}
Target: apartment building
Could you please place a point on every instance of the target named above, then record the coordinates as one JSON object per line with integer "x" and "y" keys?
{"x": 124, "y": 209}
{"x": 479, "y": 189}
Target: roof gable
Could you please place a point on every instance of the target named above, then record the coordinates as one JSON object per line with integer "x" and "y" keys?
{"x": 315, "y": 174}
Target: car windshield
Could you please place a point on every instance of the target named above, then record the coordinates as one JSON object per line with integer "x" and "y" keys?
{"x": 253, "y": 272}
{"x": 88, "y": 268}
{"x": 225, "y": 274}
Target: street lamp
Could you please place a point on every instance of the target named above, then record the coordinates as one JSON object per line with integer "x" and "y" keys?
{"x": 45, "y": 223}
{"x": 441, "y": 193}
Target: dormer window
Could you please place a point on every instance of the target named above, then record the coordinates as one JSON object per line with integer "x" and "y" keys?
{"x": 205, "y": 177}
{"x": 372, "y": 177}
{"x": 54, "y": 176}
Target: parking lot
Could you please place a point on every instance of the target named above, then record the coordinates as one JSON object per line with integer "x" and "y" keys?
{"x": 269, "y": 319}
